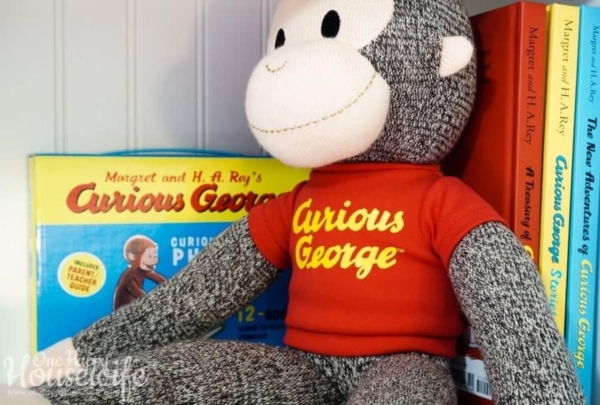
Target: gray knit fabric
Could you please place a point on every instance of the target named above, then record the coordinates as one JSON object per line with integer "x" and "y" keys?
{"x": 502, "y": 295}
{"x": 206, "y": 372}
{"x": 399, "y": 379}
{"x": 224, "y": 276}
{"x": 427, "y": 112}
{"x": 211, "y": 372}
{"x": 344, "y": 373}
{"x": 406, "y": 379}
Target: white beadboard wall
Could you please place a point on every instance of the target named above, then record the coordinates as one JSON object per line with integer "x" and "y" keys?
{"x": 102, "y": 75}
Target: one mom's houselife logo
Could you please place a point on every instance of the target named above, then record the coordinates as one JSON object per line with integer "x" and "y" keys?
{"x": 308, "y": 221}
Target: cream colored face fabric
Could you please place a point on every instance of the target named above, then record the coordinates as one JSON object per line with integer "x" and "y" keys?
{"x": 314, "y": 99}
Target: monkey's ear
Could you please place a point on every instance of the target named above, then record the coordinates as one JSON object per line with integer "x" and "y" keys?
{"x": 131, "y": 257}
{"x": 456, "y": 54}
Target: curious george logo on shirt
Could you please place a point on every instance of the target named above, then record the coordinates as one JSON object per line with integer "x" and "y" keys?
{"x": 308, "y": 221}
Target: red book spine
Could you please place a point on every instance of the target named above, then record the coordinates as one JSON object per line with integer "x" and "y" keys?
{"x": 530, "y": 127}
{"x": 484, "y": 157}
{"x": 500, "y": 153}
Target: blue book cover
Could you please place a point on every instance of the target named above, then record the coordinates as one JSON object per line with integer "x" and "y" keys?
{"x": 585, "y": 206}
{"x": 106, "y": 230}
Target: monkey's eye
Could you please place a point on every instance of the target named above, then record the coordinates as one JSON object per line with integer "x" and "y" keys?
{"x": 280, "y": 40}
{"x": 330, "y": 26}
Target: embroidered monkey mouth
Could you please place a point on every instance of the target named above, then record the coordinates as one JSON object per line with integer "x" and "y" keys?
{"x": 322, "y": 119}
{"x": 277, "y": 69}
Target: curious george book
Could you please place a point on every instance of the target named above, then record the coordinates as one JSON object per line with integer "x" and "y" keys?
{"x": 555, "y": 220}
{"x": 106, "y": 230}
{"x": 584, "y": 235}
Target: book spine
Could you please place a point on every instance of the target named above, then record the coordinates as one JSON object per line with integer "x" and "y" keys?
{"x": 528, "y": 79}
{"x": 585, "y": 205}
{"x": 529, "y": 126}
{"x": 33, "y": 258}
{"x": 557, "y": 155}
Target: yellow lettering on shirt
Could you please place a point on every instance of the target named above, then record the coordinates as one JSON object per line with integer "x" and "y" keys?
{"x": 307, "y": 221}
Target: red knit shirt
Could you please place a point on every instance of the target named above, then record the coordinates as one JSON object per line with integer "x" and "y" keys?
{"x": 369, "y": 245}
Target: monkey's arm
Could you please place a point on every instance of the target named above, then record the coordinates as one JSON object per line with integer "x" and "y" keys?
{"x": 157, "y": 278}
{"x": 135, "y": 289}
{"x": 501, "y": 294}
{"x": 224, "y": 276}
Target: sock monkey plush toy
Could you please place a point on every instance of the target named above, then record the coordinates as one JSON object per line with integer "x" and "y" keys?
{"x": 385, "y": 251}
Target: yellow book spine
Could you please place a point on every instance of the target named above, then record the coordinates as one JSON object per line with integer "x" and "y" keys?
{"x": 561, "y": 84}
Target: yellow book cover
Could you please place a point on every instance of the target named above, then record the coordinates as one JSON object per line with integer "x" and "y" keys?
{"x": 101, "y": 224}
{"x": 563, "y": 34}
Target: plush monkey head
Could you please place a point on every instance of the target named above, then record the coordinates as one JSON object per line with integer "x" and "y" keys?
{"x": 356, "y": 80}
{"x": 141, "y": 253}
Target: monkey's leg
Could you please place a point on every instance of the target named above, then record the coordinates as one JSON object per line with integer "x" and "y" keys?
{"x": 207, "y": 372}
{"x": 406, "y": 379}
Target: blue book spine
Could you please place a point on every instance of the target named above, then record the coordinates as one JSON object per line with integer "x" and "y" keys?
{"x": 585, "y": 206}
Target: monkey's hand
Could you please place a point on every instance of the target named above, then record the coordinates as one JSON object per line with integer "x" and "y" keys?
{"x": 501, "y": 294}
{"x": 157, "y": 278}
{"x": 223, "y": 277}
